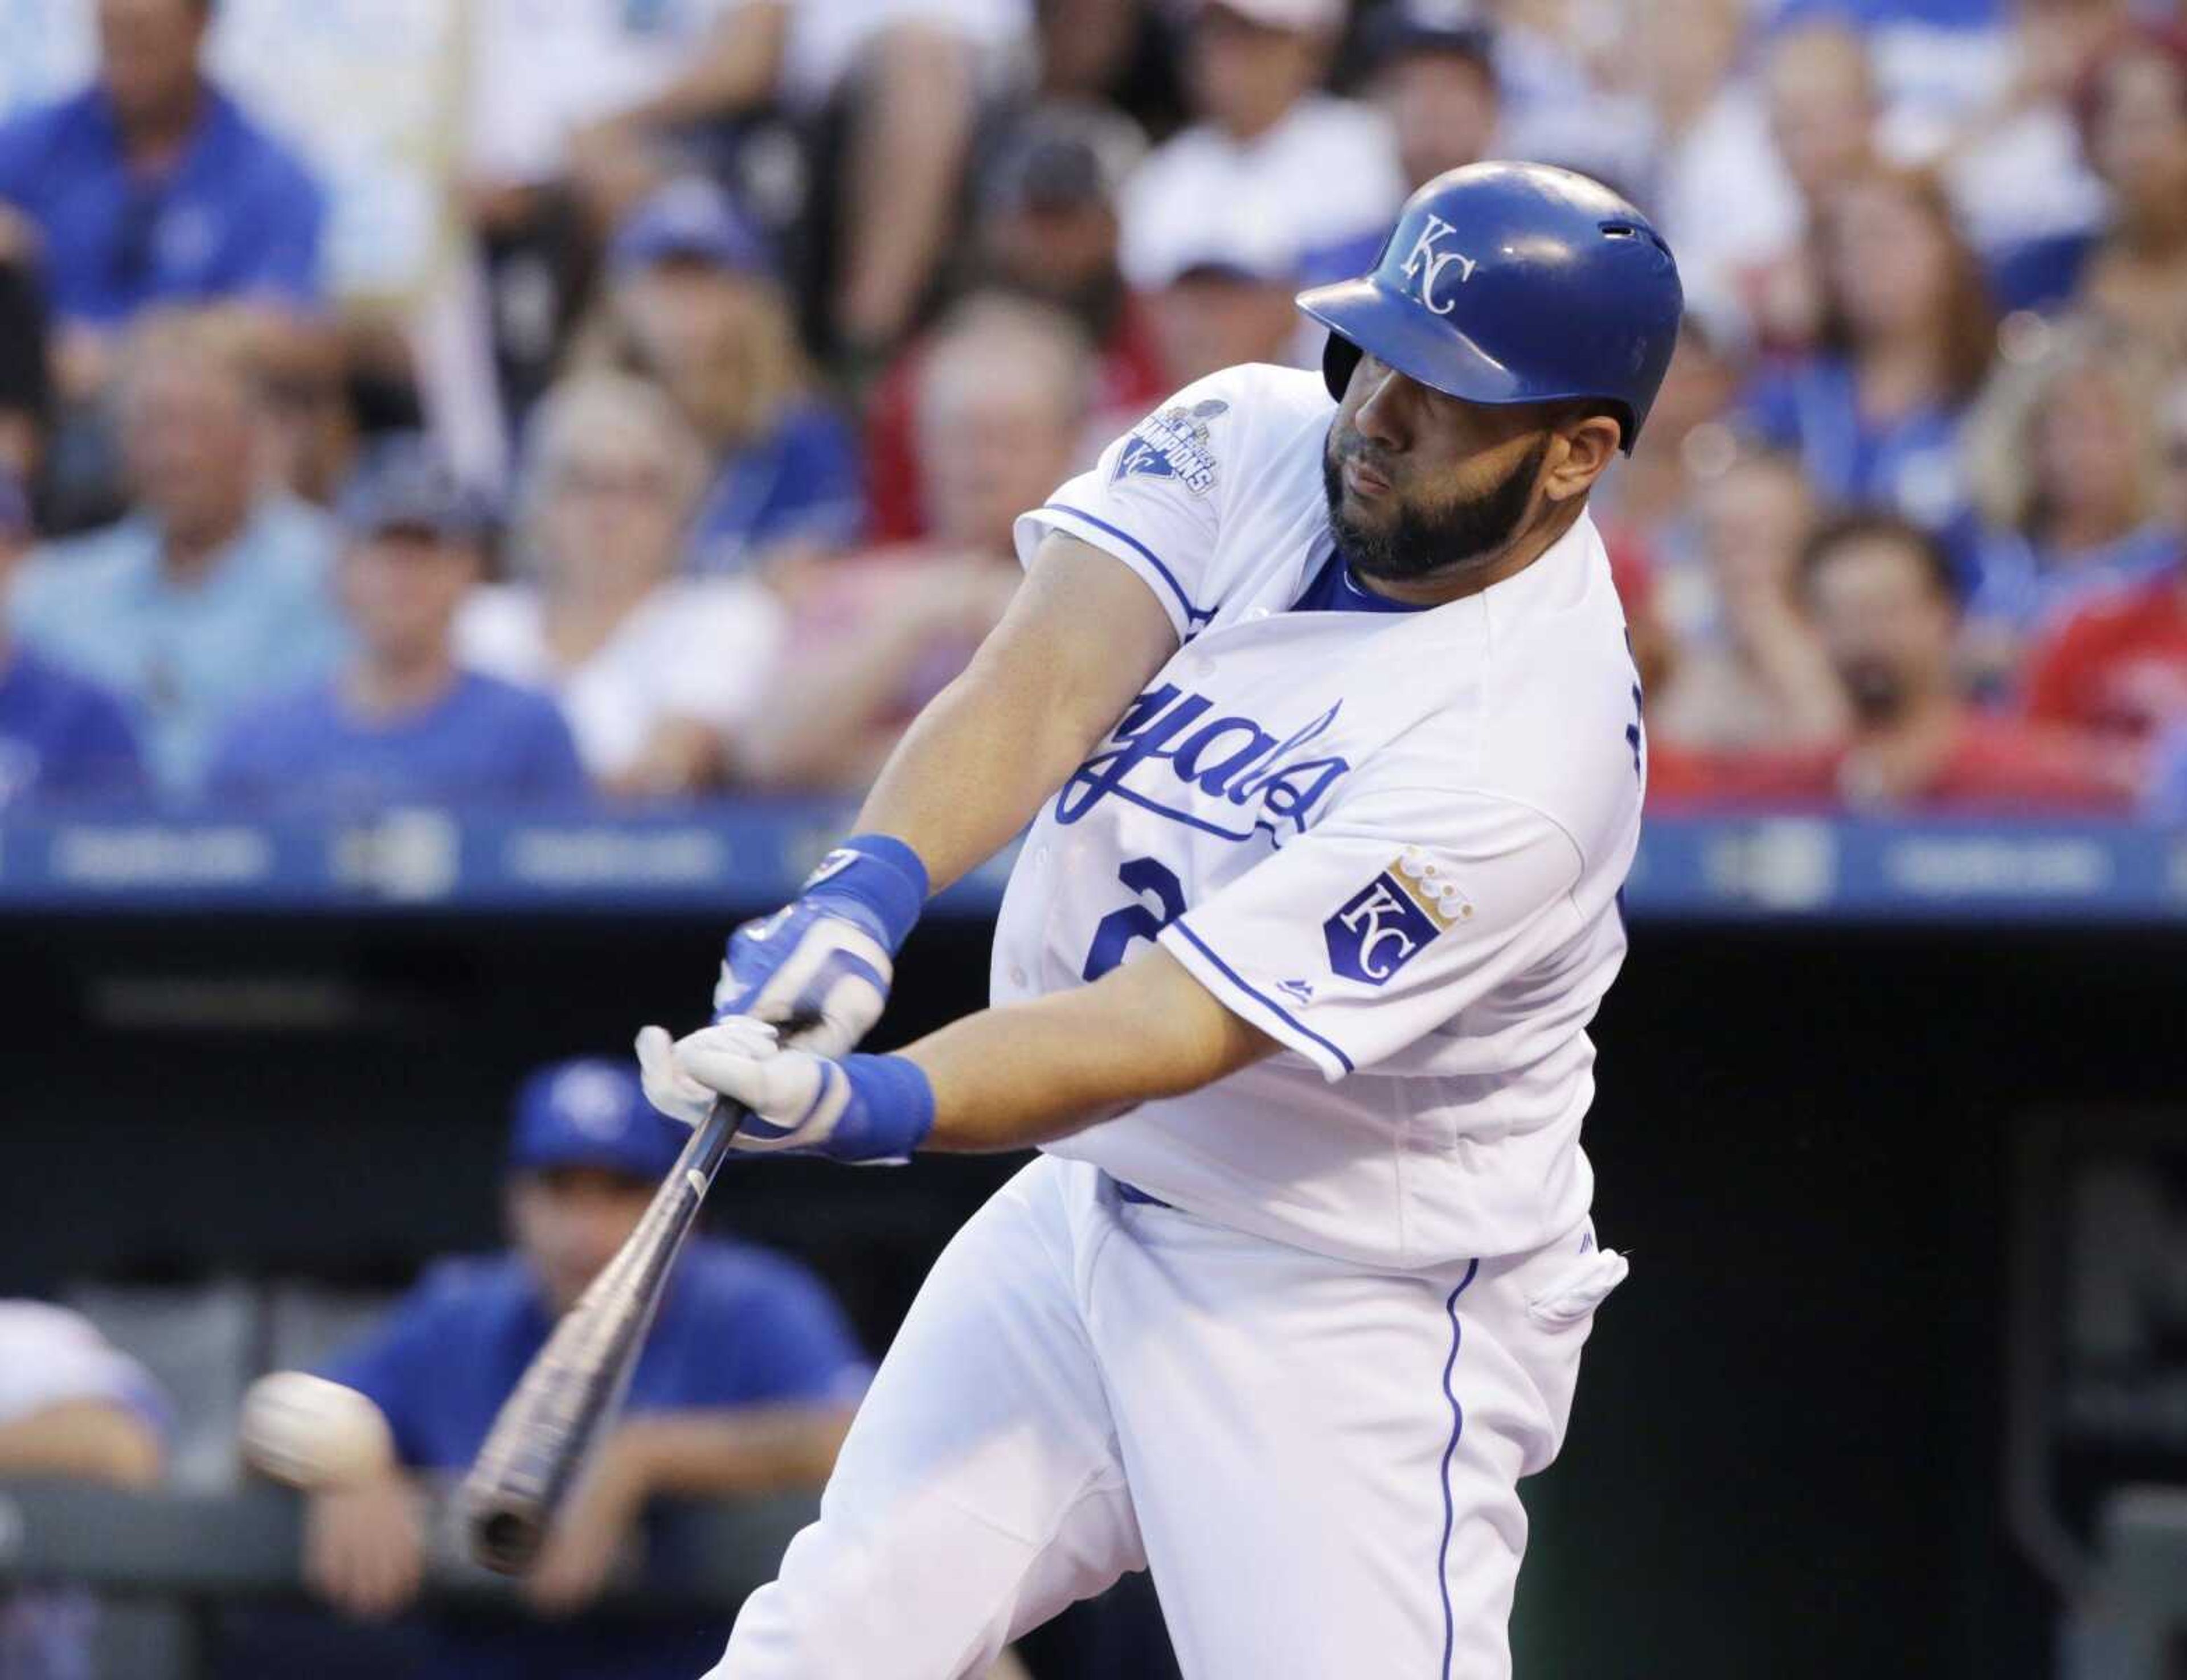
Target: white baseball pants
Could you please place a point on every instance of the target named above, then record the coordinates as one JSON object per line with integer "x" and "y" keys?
{"x": 1319, "y": 1461}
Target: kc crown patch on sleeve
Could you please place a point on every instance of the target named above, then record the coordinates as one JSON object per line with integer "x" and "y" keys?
{"x": 1173, "y": 443}
{"x": 1391, "y": 920}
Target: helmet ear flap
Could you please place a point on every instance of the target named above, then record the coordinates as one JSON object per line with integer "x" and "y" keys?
{"x": 1339, "y": 356}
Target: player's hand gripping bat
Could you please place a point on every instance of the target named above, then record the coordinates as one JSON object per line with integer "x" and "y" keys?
{"x": 548, "y": 1426}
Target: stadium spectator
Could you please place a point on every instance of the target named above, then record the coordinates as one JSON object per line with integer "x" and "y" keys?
{"x": 1433, "y": 77}
{"x": 1884, "y": 597}
{"x": 547, "y": 82}
{"x": 890, "y": 89}
{"x": 1122, "y": 53}
{"x": 313, "y": 433}
{"x": 26, "y": 394}
{"x": 60, "y": 737}
{"x": 1232, "y": 304}
{"x": 696, "y": 305}
{"x": 2119, "y": 665}
{"x": 658, "y": 673}
{"x": 213, "y": 590}
{"x": 2015, "y": 168}
{"x": 1819, "y": 88}
{"x": 1873, "y": 411}
{"x": 1761, "y": 682}
{"x": 1002, "y": 410}
{"x": 401, "y": 720}
{"x": 1045, "y": 225}
{"x": 1704, "y": 164}
{"x": 1265, "y": 150}
{"x": 69, "y": 1405}
{"x": 1646, "y": 503}
{"x": 152, "y": 186}
{"x": 1937, "y": 62}
{"x": 745, "y": 1384}
{"x": 2133, "y": 118}
{"x": 2064, "y": 459}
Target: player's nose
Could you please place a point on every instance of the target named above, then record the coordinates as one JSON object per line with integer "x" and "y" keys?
{"x": 1381, "y": 417}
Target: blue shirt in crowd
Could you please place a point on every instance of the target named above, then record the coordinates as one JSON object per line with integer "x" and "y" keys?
{"x": 2023, "y": 586}
{"x": 484, "y": 742}
{"x": 61, "y": 738}
{"x": 187, "y": 657}
{"x": 739, "y": 1326}
{"x": 803, "y": 482}
{"x": 1908, "y": 464}
{"x": 237, "y": 215}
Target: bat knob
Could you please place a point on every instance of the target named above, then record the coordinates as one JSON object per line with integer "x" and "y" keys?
{"x": 505, "y": 1541}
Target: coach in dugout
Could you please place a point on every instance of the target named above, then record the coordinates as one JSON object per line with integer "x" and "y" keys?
{"x": 747, "y": 1383}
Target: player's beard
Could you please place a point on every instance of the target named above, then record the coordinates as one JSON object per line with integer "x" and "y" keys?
{"x": 1417, "y": 541}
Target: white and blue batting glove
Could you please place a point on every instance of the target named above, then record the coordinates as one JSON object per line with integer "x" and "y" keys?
{"x": 819, "y": 967}
{"x": 855, "y": 1108}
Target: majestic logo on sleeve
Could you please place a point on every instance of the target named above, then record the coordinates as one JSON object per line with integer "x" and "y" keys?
{"x": 1427, "y": 265}
{"x": 1234, "y": 762}
{"x": 1391, "y": 920}
{"x": 1173, "y": 444}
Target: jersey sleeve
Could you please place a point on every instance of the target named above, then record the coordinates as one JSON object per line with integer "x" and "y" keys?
{"x": 1383, "y": 921}
{"x": 1155, "y": 498}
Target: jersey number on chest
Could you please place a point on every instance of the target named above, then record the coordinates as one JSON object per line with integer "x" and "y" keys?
{"x": 1119, "y": 928}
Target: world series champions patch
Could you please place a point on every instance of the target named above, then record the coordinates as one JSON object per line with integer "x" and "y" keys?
{"x": 1391, "y": 920}
{"x": 1173, "y": 444}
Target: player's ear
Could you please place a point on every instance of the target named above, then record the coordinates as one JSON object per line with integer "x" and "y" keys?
{"x": 1580, "y": 452}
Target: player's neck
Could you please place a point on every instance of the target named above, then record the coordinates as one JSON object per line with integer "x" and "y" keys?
{"x": 1477, "y": 572}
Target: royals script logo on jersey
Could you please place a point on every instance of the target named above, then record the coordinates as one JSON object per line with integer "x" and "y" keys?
{"x": 1174, "y": 743}
{"x": 1173, "y": 444}
{"x": 1391, "y": 920}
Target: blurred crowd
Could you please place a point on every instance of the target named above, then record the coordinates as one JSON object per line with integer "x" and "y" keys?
{"x": 777, "y": 312}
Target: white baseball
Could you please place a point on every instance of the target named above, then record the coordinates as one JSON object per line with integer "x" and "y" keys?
{"x": 309, "y": 1432}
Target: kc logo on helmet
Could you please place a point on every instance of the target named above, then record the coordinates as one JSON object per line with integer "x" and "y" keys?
{"x": 1425, "y": 265}
{"x": 1391, "y": 920}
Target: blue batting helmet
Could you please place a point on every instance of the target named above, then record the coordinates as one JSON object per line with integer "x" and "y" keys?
{"x": 1513, "y": 282}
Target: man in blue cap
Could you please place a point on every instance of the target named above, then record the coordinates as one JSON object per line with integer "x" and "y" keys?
{"x": 401, "y": 720}
{"x": 746, "y": 1382}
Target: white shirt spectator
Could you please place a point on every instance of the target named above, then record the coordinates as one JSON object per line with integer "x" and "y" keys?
{"x": 827, "y": 36}
{"x": 1273, "y": 192}
{"x": 1722, "y": 197}
{"x": 695, "y": 649}
{"x": 541, "y": 69}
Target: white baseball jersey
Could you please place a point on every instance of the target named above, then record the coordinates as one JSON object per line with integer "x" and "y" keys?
{"x": 1393, "y": 841}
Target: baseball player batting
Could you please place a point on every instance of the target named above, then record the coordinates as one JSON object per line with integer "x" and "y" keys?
{"x": 1317, "y": 698}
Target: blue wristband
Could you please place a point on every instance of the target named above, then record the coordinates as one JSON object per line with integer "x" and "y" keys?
{"x": 889, "y": 1113}
{"x": 879, "y": 872}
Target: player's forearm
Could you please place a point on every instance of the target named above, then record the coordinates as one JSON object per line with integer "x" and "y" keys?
{"x": 1029, "y": 1073}
{"x": 968, "y": 774}
{"x": 1081, "y": 636}
{"x": 701, "y": 1454}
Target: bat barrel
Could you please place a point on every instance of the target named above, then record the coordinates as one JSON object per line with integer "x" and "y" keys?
{"x": 548, "y": 1426}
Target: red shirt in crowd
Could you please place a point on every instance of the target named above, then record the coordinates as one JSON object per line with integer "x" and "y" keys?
{"x": 1988, "y": 763}
{"x": 1128, "y": 381}
{"x": 2118, "y": 666}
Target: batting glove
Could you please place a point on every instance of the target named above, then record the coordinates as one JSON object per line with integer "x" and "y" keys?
{"x": 819, "y": 968}
{"x": 857, "y": 1109}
